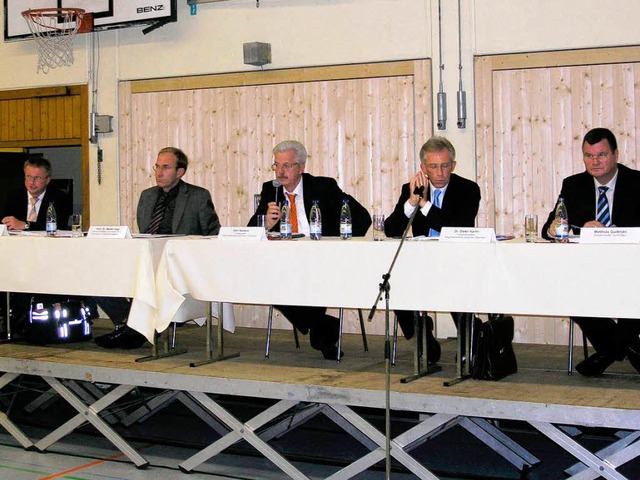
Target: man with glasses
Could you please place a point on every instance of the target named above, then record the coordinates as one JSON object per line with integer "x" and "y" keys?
{"x": 444, "y": 199}
{"x": 173, "y": 206}
{"x": 605, "y": 194}
{"x": 300, "y": 189}
{"x": 26, "y": 207}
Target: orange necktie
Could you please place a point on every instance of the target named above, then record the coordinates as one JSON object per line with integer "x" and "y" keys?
{"x": 293, "y": 213}
{"x": 33, "y": 213}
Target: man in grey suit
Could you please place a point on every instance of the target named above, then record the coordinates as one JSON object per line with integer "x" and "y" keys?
{"x": 171, "y": 207}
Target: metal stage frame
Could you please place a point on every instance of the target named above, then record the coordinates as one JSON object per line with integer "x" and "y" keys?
{"x": 93, "y": 383}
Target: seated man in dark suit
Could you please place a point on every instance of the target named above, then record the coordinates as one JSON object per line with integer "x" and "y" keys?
{"x": 26, "y": 209}
{"x": 171, "y": 207}
{"x": 605, "y": 194}
{"x": 444, "y": 199}
{"x": 289, "y": 163}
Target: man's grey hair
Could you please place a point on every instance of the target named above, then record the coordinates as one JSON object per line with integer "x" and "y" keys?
{"x": 437, "y": 144}
{"x": 301, "y": 152}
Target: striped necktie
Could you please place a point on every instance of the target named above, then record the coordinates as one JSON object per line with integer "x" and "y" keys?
{"x": 603, "y": 215}
{"x": 293, "y": 212}
{"x": 436, "y": 203}
{"x": 158, "y": 214}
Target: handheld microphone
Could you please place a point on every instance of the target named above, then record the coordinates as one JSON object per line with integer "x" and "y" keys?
{"x": 276, "y": 183}
{"x": 419, "y": 191}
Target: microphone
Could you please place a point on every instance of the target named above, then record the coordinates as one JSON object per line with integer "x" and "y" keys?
{"x": 276, "y": 183}
{"x": 419, "y": 191}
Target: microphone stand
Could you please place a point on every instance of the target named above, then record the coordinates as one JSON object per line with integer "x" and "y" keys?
{"x": 384, "y": 288}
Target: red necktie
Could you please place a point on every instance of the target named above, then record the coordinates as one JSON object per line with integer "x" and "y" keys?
{"x": 293, "y": 212}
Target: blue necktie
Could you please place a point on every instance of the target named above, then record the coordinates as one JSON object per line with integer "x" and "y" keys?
{"x": 603, "y": 215}
{"x": 436, "y": 203}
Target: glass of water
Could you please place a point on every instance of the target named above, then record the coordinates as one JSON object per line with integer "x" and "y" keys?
{"x": 76, "y": 225}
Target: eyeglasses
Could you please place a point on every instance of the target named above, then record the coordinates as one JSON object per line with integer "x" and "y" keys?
{"x": 285, "y": 166}
{"x": 37, "y": 178}
{"x": 599, "y": 156}
{"x": 164, "y": 168}
{"x": 438, "y": 166}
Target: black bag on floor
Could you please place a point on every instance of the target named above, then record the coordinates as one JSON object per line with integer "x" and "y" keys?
{"x": 494, "y": 358}
{"x": 56, "y": 320}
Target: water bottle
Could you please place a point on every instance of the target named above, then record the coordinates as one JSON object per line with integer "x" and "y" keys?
{"x": 285, "y": 222}
{"x": 346, "y": 226}
{"x": 562, "y": 222}
{"x": 52, "y": 222}
{"x": 315, "y": 222}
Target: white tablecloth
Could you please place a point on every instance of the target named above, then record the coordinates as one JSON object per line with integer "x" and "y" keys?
{"x": 90, "y": 266}
{"x": 509, "y": 277}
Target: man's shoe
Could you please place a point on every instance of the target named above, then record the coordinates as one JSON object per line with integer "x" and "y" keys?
{"x": 633, "y": 354}
{"x": 123, "y": 337}
{"x": 331, "y": 352}
{"x": 596, "y": 364}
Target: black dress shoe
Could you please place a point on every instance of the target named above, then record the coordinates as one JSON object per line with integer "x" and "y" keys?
{"x": 123, "y": 337}
{"x": 331, "y": 352}
{"x": 633, "y": 354}
{"x": 596, "y": 364}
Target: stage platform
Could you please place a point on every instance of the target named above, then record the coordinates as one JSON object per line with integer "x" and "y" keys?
{"x": 296, "y": 387}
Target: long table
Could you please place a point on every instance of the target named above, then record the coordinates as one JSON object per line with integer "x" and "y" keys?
{"x": 508, "y": 277}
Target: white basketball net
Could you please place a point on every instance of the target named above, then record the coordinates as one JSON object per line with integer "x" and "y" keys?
{"x": 54, "y": 30}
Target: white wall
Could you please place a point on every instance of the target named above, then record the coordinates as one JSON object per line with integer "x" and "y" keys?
{"x": 324, "y": 32}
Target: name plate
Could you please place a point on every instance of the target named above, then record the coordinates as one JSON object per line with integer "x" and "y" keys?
{"x": 106, "y": 231}
{"x": 3, "y": 231}
{"x": 242, "y": 233}
{"x": 467, "y": 235}
{"x": 610, "y": 235}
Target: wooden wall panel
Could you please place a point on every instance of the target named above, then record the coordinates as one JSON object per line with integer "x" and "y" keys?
{"x": 532, "y": 113}
{"x": 360, "y": 126}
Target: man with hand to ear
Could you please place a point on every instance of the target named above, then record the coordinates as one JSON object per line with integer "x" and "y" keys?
{"x": 444, "y": 199}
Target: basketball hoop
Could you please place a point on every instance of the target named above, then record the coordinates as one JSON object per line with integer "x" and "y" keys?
{"x": 54, "y": 30}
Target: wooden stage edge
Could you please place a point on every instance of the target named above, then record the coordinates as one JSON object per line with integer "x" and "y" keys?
{"x": 541, "y": 391}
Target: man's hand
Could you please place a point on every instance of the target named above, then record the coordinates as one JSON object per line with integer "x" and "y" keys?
{"x": 273, "y": 215}
{"x": 13, "y": 223}
{"x": 593, "y": 224}
{"x": 417, "y": 181}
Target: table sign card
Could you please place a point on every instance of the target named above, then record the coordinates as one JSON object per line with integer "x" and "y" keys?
{"x": 242, "y": 233}
{"x": 610, "y": 235}
{"x": 3, "y": 231}
{"x": 107, "y": 231}
{"x": 467, "y": 235}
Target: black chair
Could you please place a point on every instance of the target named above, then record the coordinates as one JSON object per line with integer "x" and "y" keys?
{"x": 297, "y": 340}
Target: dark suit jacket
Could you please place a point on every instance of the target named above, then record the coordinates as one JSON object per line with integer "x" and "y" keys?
{"x": 458, "y": 209}
{"x": 329, "y": 196}
{"x": 194, "y": 213}
{"x": 579, "y": 194}
{"x": 17, "y": 206}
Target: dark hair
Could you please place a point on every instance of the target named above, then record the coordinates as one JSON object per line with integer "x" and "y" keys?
{"x": 182, "y": 161}
{"x": 38, "y": 162}
{"x": 596, "y": 135}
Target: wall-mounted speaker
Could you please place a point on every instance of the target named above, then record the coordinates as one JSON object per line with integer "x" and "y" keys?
{"x": 257, "y": 53}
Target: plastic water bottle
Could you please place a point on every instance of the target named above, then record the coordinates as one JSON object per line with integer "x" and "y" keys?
{"x": 562, "y": 222}
{"x": 285, "y": 222}
{"x": 315, "y": 222}
{"x": 52, "y": 221}
{"x": 346, "y": 226}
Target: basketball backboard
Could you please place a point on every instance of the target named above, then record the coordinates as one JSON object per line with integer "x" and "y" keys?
{"x": 107, "y": 14}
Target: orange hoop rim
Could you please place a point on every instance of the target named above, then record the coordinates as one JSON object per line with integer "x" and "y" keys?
{"x": 34, "y": 14}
